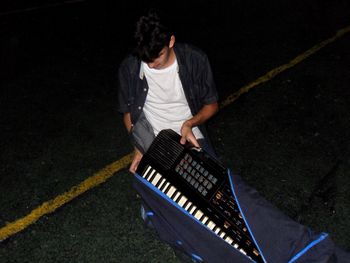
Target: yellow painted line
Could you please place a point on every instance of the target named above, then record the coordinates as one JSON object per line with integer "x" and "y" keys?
{"x": 50, "y": 206}
{"x": 272, "y": 73}
{"x": 107, "y": 172}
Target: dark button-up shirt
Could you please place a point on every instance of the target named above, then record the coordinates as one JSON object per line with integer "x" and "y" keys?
{"x": 195, "y": 74}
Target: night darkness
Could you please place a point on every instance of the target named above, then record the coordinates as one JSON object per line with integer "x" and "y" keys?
{"x": 287, "y": 137}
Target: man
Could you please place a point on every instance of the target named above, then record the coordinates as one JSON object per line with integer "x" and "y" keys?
{"x": 165, "y": 85}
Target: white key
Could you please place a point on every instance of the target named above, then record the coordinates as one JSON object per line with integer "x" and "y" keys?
{"x": 211, "y": 225}
{"x": 165, "y": 187}
{"x": 188, "y": 205}
{"x": 222, "y": 234}
{"x": 217, "y": 230}
{"x": 161, "y": 184}
{"x": 147, "y": 170}
{"x": 150, "y": 175}
{"x": 235, "y": 245}
{"x": 171, "y": 191}
{"x": 229, "y": 240}
{"x": 177, "y": 195}
{"x": 198, "y": 215}
{"x": 156, "y": 179}
{"x": 245, "y": 253}
{"x": 192, "y": 209}
{"x": 205, "y": 219}
{"x": 182, "y": 201}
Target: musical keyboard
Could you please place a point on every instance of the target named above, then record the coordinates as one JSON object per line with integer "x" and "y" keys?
{"x": 197, "y": 183}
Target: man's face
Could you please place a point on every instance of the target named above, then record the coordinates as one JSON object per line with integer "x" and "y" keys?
{"x": 163, "y": 60}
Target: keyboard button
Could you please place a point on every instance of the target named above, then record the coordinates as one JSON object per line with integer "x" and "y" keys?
{"x": 197, "y": 175}
{"x": 185, "y": 165}
{"x": 189, "y": 158}
{"x": 209, "y": 186}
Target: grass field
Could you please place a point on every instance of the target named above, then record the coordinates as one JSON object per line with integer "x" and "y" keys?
{"x": 288, "y": 137}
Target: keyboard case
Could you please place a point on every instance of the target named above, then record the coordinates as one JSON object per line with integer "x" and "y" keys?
{"x": 279, "y": 238}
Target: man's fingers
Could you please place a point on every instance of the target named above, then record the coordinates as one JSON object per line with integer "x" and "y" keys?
{"x": 133, "y": 168}
{"x": 194, "y": 142}
{"x": 134, "y": 165}
{"x": 135, "y": 162}
{"x": 183, "y": 140}
{"x": 190, "y": 139}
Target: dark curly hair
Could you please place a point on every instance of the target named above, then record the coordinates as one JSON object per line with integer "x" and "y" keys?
{"x": 151, "y": 36}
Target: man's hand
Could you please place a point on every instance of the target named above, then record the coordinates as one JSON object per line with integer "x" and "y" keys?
{"x": 201, "y": 117}
{"x": 187, "y": 135}
{"x": 135, "y": 162}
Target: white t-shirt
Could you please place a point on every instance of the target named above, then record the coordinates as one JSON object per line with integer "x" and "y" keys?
{"x": 166, "y": 106}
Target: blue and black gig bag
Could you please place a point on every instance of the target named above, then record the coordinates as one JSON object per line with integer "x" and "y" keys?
{"x": 278, "y": 238}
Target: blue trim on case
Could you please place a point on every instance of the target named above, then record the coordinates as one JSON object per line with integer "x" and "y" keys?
{"x": 148, "y": 214}
{"x": 309, "y": 246}
{"x": 196, "y": 258}
{"x": 179, "y": 242}
{"x": 240, "y": 209}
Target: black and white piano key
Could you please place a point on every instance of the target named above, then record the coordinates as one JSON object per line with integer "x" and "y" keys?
{"x": 155, "y": 179}
{"x": 147, "y": 173}
{"x": 182, "y": 200}
{"x": 217, "y": 230}
{"x": 211, "y": 225}
{"x": 161, "y": 183}
{"x": 166, "y": 187}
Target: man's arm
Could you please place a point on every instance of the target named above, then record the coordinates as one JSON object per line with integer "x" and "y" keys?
{"x": 201, "y": 117}
{"x": 127, "y": 121}
{"x": 137, "y": 154}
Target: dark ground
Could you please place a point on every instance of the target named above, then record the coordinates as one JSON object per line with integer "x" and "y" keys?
{"x": 288, "y": 138}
